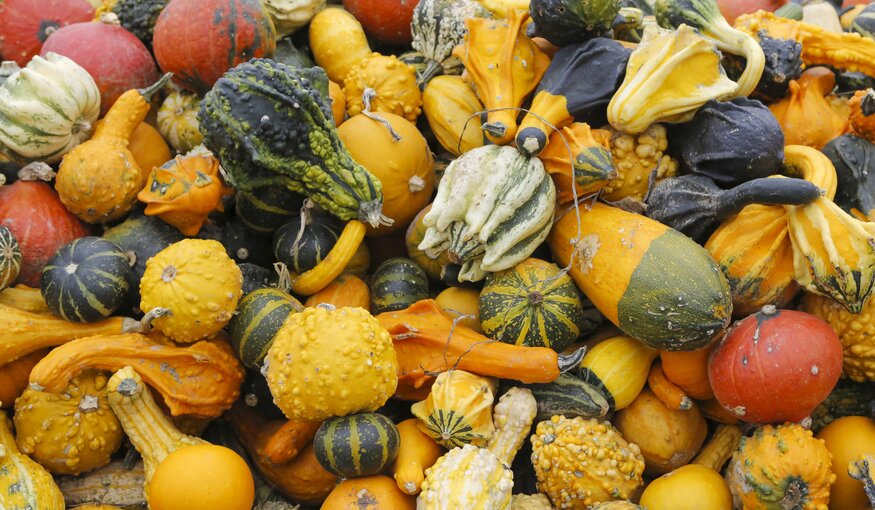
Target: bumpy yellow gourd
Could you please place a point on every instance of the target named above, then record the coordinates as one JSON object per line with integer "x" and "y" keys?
{"x": 381, "y": 83}
{"x": 198, "y": 282}
{"x": 69, "y": 432}
{"x": 505, "y": 66}
{"x": 24, "y": 483}
{"x": 325, "y": 363}
{"x": 635, "y": 157}
{"x": 458, "y": 409}
{"x": 669, "y": 76}
{"x": 855, "y": 330}
{"x": 582, "y": 462}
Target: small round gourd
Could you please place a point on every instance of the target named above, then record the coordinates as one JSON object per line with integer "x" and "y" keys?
{"x": 393, "y": 81}
{"x": 10, "y": 258}
{"x": 397, "y": 283}
{"x": 259, "y": 316}
{"x": 87, "y": 280}
{"x": 532, "y": 304}
{"x": 368, "y": 493}
{"x": 458, "y": 409}
{"x": 177, "y": 121}
{"x": 846, "y": 439}
{"x": 356, "y": 445}
{"x": 456, "y": 302}
{"x": 202, "y": 477}
{"x": 688, "y": 487}
{"x": 198, "y": 282}
{"x": 302, "y": 247}
{"x": 263, "y": 210}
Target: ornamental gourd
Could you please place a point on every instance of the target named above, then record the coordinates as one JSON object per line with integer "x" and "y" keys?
{"x": 184, "y": 191}
{"x": 781, "y": 467}
{"x": 579, "y": 161}
{"x": 618, "y": 368}
{"x": 505, "y": 66}
{"x": 382, "y": 83}
{"x": 688, "y": 488}
{"x": 437, "y": 27}
{"x": 69, "y": 432}
{"x": 580, "y": 463}
{"x": 258, "y": 319}
{"x": 139, "y": 17}
{"x": 290, "y": 15}
{"x": 322, "y": 334}
{"x": 458, "y": 410}
{"x": 511, "y": 216}
{"x": 635, "y": 157}
{"x": 25, "y": 484}
{"x": 452, "y": 109}
{"x": 10, "y": 258}
{"x": 345, "y": 290}
{"x": 27, "y": 24}
{"x": 360, "y": 444}
{"x": 396, "y": 284}
{"x": 48, "y": 108}
{"x": 854, "y": 332}
{"x": 198, "y": 282}
{"x": 564, "y": 23}
{"x": 338, "y": 42}
{"x": 417, "y": 452}
{"x": 368, "y": 493}
{"x": 177, "y": 121}
{"x": 113, "y": 484}
{"x": 98, "y": 180}
{"x": 805, "y": 115}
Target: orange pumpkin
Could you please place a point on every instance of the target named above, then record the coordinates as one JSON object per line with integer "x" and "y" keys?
{"x": 368, "y": 493}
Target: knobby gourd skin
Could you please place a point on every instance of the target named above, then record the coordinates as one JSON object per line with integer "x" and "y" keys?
{"x": 437, "y": 27}
{"x": 564, "y": 22}
{"x": 635, "y": 157}
{"x": 24, "y": 484}
{"x": 856, "y": 332}
{"x": 381, "y": 83}
{"x": 337, "y": 41}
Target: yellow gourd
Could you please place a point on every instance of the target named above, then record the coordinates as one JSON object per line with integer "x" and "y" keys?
{"x": 325, "y": 363}
{"x": 338, "y": 42}
{"x": 620, "y": 365}
{"x": 530, "y": 502}
{"x": 453, "y": 112}
{"x": 113, "y": 484}
{"x": 70, "y": 432}
{"x": 343, "y": 255}
{"x": 458, "y": 410}
{"x": 457, "y": 301}
{"x": 848, "y": 438}
{"x": 177, "y": 121}
{"x": 24, "y": 298}
{"x": 855, "y": 330}
{"x": 24, "y": 484}
{"x": 99, "y": 179}
{"x": 416, "y": 453}
{"x": 13, "y": 377}
{"x": 381, "y": 83}
{"x": 635, "y": 157}
{"x": 505, "y": 66}
{"x": 338, "y": 102}
{"x": 690, "y": 487}
{"x": 720, "y": 447}
{"x": 345, "y": 290}
{"x": 200, "y": 285}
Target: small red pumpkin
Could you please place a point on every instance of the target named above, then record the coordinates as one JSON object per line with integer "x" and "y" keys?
{"x": 38, "y": 220}
{"x": 26, "y": 24}
{"x": 198, "y": 40}
{"x": 116, "y": 59}
{"x": 387, "y": 21}
{"x": 775, "y": 366}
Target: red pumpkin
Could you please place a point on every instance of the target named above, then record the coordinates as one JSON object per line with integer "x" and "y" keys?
{"x": 732, "y": 9}
{"x": 116, "y": 59}
{"x": 25, "y": 24}
{"x": 198, "y": 40}
{"x": 775, "y": 366}
{"x": 39, "y": 221}
{"x": 387, "y": 21}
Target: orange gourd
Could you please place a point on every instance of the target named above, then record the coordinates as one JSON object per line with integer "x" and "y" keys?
{"x": 579, "y": 161}
{"x": 689, "y": 371}
{"x": 368, "y": 493}
{"x": 287, "y": 442}
{"x": 13, "y": 377}
{"x": 345, "y": 290}
{"x": 416, "y": 453}
{"x": 666, "y": 391}
{"x": 147, "y": 145}
{"x": 805, "y": 115}
{"x": 202, "y": 477}
{"x": 338, "y": 102}
{"x": 848, "y": 438}
{"x": 458, "y": 301}
{"x": 862, "y": 117}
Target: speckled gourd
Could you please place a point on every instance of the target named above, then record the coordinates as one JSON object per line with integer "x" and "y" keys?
{"x": 24, "y": 484}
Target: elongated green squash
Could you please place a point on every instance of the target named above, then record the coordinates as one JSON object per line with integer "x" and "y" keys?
{"x": 568, "y": 396}
{"x": 651, "y": 281}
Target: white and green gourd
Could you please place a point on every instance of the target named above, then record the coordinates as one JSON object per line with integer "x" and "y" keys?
{"x": 438, "y": 26}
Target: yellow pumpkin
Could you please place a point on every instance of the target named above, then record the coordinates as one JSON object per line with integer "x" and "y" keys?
{"x": 847, "y": 439}
{"x": 202, "y": 477}
{"x": 394, "y": 151}
{"x": 668, "y": 438}
{"x": 690, "y": 487}
{"x": 381, "y": 83}
{"x": 455, "y": 302}
{"x": 458, "y": 410}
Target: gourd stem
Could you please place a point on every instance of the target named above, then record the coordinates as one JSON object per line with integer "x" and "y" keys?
{"x": 867, "y": 104}
{"x": 284, "y": 283}
{"x": 146, "y": 321}
{"x": 368, "y": 96}
{"x": 794, "y": 495}
{"x": 36, "y": 171}
{"x": 149, "y": 91}
{"x": 432, "y": 69}
{"x": 570, "y": 361}
{"x": 766, "y": 191}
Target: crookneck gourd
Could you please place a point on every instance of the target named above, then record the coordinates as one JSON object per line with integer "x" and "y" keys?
{"x": 493, "y": 207}
{"x": 705, "y": 16}
{"x": 669, "y": 76}
{"x": 505, "y": 66}
{"x": 805, "y": 115}
{"x": 69, "y": 432}
{"x": 149, "y": 430}
{"x": 200, "y": 379}
{"x": 24, "y": 484}
{"x": 98, "y": 181}
{"x": 255, "y": 153}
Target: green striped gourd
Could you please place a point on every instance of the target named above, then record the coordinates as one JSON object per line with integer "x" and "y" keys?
{"x": 493, "y": 207}
{"x": 569, "y": 396}
{"x": 438, "y": 26}
{"x": 397, "y": 283}
{"x": 263, "y": 210}
{"x": 356, "y": 445}
{"x": 10, "y": 258}
{"x": 86, "y": 280}
{"x": 305, "y": 240}
{"x": 532, "y": 304}
{"x": 259, "y": 316}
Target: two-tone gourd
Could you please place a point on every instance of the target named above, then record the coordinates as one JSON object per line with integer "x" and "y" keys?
{"x": 458, "y": 409}
{"x": 437, "y": 27}
{"x": 10, "y": 257}
{"x": 361, "y": 444}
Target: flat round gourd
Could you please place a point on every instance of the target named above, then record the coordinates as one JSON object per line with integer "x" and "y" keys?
{"x": 87, "y": 280}
{"x": 259, "y": 317}
{"x": 198, "y": 282}
{"x": 305, "y": 240}
{"x": 356, "y": 445}
{"x": 10, "y": 258}
{"x": 533, "y": 304}
{"x": 397, "y": 283}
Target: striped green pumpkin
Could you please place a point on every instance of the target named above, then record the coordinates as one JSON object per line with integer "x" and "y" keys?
{"x": 303, "y": 250}
{"x": 259, "y": 316}
{"x": 263, "y": 210}
{"x": 397, "y": 283}
{"x": 10, "y": 258}
{"x": 356, "y": 445}
{"x": 533, "y": 304}
{"x": 86, "y": 280}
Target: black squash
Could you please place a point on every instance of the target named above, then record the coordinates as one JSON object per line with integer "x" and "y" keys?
{"x": 864, "y": 22}
{"x": 854, "y": 160}
{"x": 256, "y": 277}
{"x": 243, "y": 245}
{"x": 695, "y": 206}
{"x": 730, "y": 141}
{"x": 783, "y": 63}
{"x": 86, "y": 280}
{"x": 263, "y": 210}
{"x": 564, "y": 22}
{"x": 306, "y": 239}
{"x": 397, "y": 283}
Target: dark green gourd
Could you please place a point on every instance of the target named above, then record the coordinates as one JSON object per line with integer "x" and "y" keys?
{"x": 695, "y": 206}
{"x": 577, "y": 87}
{"x": 263, "y": 210}
{"x": 397, "y": 283}
{"x": 564, "y": 22}
{"x": 864, "y": 22}
{"x": 356, "y": 445}
{"x": 783, "y": 63}
{"x": 854, "y": 160}
{"x": 243, "y": 245}
{"x": 271, "y": 125}
{"x": 259, "y": 316}
{"x": 257, "y": 277}
{"x": 305, "y": 240}
{"x": 568, "y": 396}
{"x": 730, "y": 142}
{"x": 86, "y": 280}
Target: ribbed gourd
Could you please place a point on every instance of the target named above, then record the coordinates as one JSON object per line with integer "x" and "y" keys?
{"x": 493, "y": 207}
{"x": 437, "y": 27}
{"x": 10, "y": 257}
{"x": 255, "y": 153}
{"x": 579, "y": 161}
{"x": 177, "y": 121}
{"x": 396, "y": 284}
{"x": 532, "y": 304}
{"x": 259, "y": 317}
{"x": 458, "y": 409}
{"x": 361, "y": 444}
{"x": 452, "y": 109}
{"x": 69, "y": 432}
{"x": 24, "y": 484}
{"x": 580, "y": 463}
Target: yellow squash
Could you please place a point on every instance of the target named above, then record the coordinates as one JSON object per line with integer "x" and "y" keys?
{"x": 454, "y": 113}
{"x": 24, "y": 484}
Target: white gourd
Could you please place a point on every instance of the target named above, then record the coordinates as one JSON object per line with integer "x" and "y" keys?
{"x": 290, "y": 15}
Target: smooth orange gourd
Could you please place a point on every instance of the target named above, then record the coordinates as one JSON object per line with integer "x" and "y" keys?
{"x": 345, "y": 290}
{"x": 416, "y": 453}
{"x": 202, "y": 477}
{"x": 805, "y": 115}
{"x": 368, "y": 493}
{"x": 689, "y": 370}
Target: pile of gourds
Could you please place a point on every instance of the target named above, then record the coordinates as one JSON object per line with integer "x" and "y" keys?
{"x": 541, "y": 254}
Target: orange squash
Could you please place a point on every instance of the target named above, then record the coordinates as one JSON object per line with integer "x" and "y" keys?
{"x": 345, "y": 290}
{"x": 287, "y": 442}
{"x": 147, "y": 145}
{"x": 805, "y": 115}
{"x": 861, "y": 117}
{"x": 689, "y": 370}
{"x": 666, "y": 391}
{"x": 13, "y": 377}
{"x": 368, "y": 493}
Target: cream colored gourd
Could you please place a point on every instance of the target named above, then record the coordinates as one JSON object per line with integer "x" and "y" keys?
{"x": 24, "y": 484}
{"x": 149, "y": 430}
{"x": 290, "y": 15}
{"x": 177, "y": 121}
{"x": 112, "y": 484}
{"x": 458, "y": 409}
{"x": 530, "y": 502}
